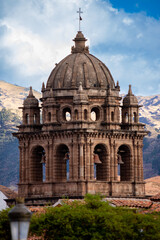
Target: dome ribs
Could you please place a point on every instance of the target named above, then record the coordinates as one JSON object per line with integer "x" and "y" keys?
{"x": 96, "y": 72}
{"x": 53, "y": 74}
{"x": 74, "y": 72}
{"x": 80, "y": 67}
{"x": 64, "y": 70}
{"x": 108, "y": 75}
{"x": 86, "y": 76}
{"x": 105, "y": 74}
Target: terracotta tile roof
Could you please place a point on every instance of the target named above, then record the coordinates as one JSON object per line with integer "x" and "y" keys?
{"x": 156, "y": 197}
{"x": 128, "y": 202}
{"x": 155, "y": 207}
{"x": 146, "y": 205}
{"x": 37, "y": 209}
{"x": 8, "y": 192}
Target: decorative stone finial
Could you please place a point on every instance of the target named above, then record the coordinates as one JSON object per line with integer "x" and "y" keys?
{"x": 130, "y": 91}
{"x": 80, "y": 44}
{"x": 43, "y": 87}
{"x": 30, "y": 92}
{"x": 117, "y": 86}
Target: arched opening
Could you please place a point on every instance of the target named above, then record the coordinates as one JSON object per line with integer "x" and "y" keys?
{"x": 62, "y": 163}
{"x": 126, "y": 117}
{"x": 123, "y": 160}
{"x": 100, "y": 162}
{"x": 38, "y": 164}
{"x": 85, "y": 114}
{"x": 49, "y": 117}
{"x": 35, "y": 118}
{"x": 134, "y": 117}
{"x": 76, "y": 114}
{"x": 27, "y": 118}
{"x": 95, "y": 114}
{"x": 112, "y": 116}
{"x": 67, "y": 114}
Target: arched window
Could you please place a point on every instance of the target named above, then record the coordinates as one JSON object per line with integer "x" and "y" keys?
{"x": 126, "y": 117}
{"x": 100, "y": 162}
{"x": 35, "y": 118}
{"x": 27, "y": 118}
{"x": 38, "y": 162}
{"x": 85, "y": 114}
{"x": 76, "y": 114}
{"x": 67, "y": 114}
{"x": 112, "y": 116}
{"x": 62, "y": 162}
{"x": 134, "y": 117}
{"x": 95, "y": 114}
{"x": 49, "y": 116}
{"x": 124, "y": 162}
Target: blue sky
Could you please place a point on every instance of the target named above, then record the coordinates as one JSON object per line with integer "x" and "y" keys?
{"x": 124, "y": 34}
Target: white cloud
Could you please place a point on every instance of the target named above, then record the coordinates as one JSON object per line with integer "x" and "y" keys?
{"x": 127, "y": 21}
{"x": 37, "y": 34}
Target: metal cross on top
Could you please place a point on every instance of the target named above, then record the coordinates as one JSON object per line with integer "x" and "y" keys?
{"x": 80, "y": 18}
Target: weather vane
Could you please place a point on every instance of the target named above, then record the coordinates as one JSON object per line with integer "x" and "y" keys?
{"x": 80, "y": 18}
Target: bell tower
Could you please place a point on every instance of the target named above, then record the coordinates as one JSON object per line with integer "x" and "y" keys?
{"x": 82, "y": 145}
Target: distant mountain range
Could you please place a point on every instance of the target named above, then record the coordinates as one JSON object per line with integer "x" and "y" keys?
{"x": 11, "y": 98}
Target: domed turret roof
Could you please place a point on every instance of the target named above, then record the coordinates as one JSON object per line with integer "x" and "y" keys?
{"x": 130, "y": 98}
{"x": 80, "y": 66}
{"x": 30, "y": 101}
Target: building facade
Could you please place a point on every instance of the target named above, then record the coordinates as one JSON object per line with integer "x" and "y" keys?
{"x": 86, "y": 141}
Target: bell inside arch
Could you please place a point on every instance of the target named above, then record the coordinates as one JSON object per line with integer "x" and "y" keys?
{"x": 96, "y": 159}
{"x": 66, "y": 156}
{"x": 43, "y": 159}
{"x": 119, "y": 158}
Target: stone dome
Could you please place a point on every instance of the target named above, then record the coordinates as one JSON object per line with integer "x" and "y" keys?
{"x": 130, "y": 98}
{"x": 30, "y": 101}
{"x": 80, "y": 66}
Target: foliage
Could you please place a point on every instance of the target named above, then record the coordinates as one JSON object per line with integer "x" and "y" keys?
{"x": 4, "y": 225}
{"x": 96, "y": 221}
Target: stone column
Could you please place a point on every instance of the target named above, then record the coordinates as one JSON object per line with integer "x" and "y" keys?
{"x": 135, "y": 162}
{"x": 50, "y": 161}
{"x": 91, "y": 161}
{"x": 138, "y": 162}
{"x": 108, "y": 167}
{"x": 130, "y": 115}
{"x": 131, "y": 168}
{"x": 75, "y": 158}
{"x": 27, "y": 163}
{"x": 71, "y": 158}
{"x": 111, "y": 161}
{"x": 115, "y": 163}
{"x": 47, "y": 167}
{"x": 87, "y": 161}
{"x": 81, "y": 161}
